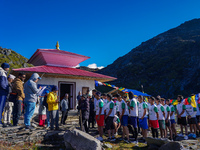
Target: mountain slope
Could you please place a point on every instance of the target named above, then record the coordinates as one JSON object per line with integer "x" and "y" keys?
{"x": 168, "y": 64}
{"x": 14, "y": 59}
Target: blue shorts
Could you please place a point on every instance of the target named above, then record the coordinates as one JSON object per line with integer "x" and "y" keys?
{"x": 133, "y": 121}
{"x": 125, "y": 120}
{"x": 172, "y": 121}
{"x": 143, "y": 123}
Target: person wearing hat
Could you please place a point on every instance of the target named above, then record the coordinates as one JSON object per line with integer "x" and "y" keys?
{"x": 52, "y": 101}
{"x": 4, "y": 87}
{"x": 64, "y": 105}
{"x": 84, "y": 108}
{"x": 9, "y": 105}
{"x": 31, "y": 95}
{"x": 17, "y": 96}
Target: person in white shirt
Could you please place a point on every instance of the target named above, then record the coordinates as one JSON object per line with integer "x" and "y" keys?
{"x": 124, "y": 117}
{"x": 153, "y": 117}
{"x": 110, "y": 112}
{"x": 181, "y": 114}
{"x": 192, "y": 120}
{"x": 142, "y": 114}
{"x": 167, "y": 117}
{"x": 133, "y": 114}
{"x": 99, "y": 115}
{"x": 161, "y": 120}
{"x": 116, "y": 123}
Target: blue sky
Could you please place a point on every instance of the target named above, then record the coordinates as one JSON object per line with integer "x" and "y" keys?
{"x": 101, "y": 29}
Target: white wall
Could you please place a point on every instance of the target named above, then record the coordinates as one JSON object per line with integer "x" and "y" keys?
{"x": 79, "y": 83}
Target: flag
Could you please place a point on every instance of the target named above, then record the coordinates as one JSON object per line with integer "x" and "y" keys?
{"x": 193, "y": 102}
{"x": 173, "y": 101}
{"x": 186, "y": 101}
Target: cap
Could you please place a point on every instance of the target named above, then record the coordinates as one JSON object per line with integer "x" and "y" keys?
{"x": 55, "y": 88}
{"x": 98, "y": 93}
{"x": 5, "y": 65}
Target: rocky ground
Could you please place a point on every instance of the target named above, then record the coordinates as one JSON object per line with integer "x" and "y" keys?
{"x": 43, "y": 139}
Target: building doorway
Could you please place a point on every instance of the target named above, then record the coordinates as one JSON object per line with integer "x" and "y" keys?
{"x": 70, "y": 88}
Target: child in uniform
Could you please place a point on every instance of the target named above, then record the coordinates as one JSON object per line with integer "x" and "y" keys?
{"x": 142, "y": 114}
{"x": 153, "y": 117}
{"x": 161, "y": 120}
{"x": 167, "y": 117}
{"x": 181, "y": 114}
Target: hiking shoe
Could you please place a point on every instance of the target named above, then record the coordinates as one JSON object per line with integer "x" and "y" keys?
{"x": 100, "y": 138}
{"x": 186, "y": 137}
{"x": 127, "y": 141}
{"x": 120, "y": 139}
{"x": 134, "y": 142}
{"x": 180, "y": 134}
{"x": 113, "y": 139}
{"x": 194, "y": 136}
{"x": 5, "y": 125}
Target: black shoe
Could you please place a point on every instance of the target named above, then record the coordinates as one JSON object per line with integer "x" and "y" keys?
{"x": 5, "y": 125}
{"x": 57, "y": 128}
{"x": 9, "y": 124}
{"x": 30, "y": 127}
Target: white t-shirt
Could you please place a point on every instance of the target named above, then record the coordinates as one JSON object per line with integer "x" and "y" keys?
{"x": 172, "y": 109}
{"x": 152, "y": 112}
{"x": 116, "y": 119}
{"x": 191, "y": 111}
{"x": 167, "y": 110}
{"x": 117, "y": 106}
{"x": 99, "y": 104}
{"x": 180, "y": 107}
{"x": 134, "y": 112}
{"x": 110, "y": 105}
{"x": 160, "y": 111}
{"x": 142, "y": 106}
{"x": 123, "y": 105}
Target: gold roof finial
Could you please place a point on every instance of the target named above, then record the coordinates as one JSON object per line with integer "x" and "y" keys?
{"x": 57, "y": 46}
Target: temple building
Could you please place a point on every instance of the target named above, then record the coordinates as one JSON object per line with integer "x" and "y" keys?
{"x": 57, "y": 67}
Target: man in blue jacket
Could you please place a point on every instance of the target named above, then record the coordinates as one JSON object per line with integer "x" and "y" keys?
{"x": 31, "y": 95}
{"x": 4, "y": 87}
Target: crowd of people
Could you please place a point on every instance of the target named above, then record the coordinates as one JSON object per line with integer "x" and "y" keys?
{"x": 19, "y": 99}
{"x": 137, "y": 115}
{"x": 128, "y": 113}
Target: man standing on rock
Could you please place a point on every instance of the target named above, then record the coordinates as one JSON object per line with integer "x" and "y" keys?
{"x": 4, "y": 87}
{"x": 18, "y": 92}
{"x": 31, "y": 97}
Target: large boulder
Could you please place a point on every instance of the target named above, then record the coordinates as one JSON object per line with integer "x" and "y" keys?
{"x": 171, "y": 146}
{"x": 158, "y": 142}
{"x": 81, "y": 141}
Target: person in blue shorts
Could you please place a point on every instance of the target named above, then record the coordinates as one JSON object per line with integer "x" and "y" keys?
{"x": 142, "y": 114}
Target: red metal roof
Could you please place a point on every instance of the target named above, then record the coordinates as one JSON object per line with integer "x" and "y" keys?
{"x": 63, "y": 71}
{"x": 56, "y": 57}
